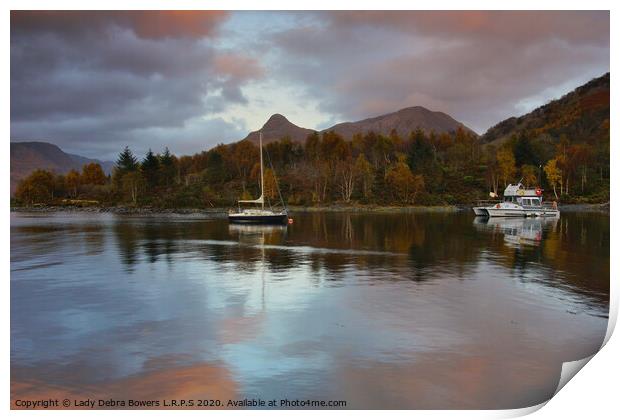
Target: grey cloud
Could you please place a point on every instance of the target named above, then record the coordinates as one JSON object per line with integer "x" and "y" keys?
{"x": 100, "y": 80}
{"x": 95, "y": 87}
{"x": 477, "y": 66}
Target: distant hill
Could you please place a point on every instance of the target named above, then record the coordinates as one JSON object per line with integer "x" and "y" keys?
{"x": 276, "y": 127}
{"x": 28, "y": 156}
{"x": 581, "y": 115}
{"x": 404, "y": 122}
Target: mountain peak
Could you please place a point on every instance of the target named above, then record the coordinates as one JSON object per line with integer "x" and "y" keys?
{"x": 276, "y": 119}
{"x": 277, "y": 127}
{"x": 404, "y": 121}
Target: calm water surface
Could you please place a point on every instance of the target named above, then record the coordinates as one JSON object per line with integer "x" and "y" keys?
{"x": 423, "y": 310}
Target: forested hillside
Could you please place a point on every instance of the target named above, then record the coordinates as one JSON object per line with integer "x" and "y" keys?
{"x": 562, "y": 146}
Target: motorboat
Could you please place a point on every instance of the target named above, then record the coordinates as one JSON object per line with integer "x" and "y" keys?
{"x": 519, "y": 202}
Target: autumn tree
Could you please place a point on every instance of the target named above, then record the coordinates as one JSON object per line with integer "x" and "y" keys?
{"x": 403, "y": 184}
{"x": 364, "y": 175}
{"x": 271, "y": 186}
{"x": 132, "y": 183}
{"x": 581, "y": 156}
{"x": 506, "y": 164}
{"x": 316, "y": 169}
{"x": 345, "y": 173}
{"x": 60, "y": 186}
{"x": 184, "y": 169}
{"x": 37, "y": 187}
{"x": 243, "y": 156}
{"x": 529, "y": 175}
{"x": 269, "y": 180}
{"x": 565, "y": 163}
{"x": 92, "y": 174}
{"x": 73, "y": 182}
{"x": 554, "y": 175}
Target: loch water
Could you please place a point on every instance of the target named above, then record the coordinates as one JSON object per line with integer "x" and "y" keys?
{"x": 383, "y": 311}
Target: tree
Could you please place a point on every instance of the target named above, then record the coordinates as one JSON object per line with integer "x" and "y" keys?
{"x": 60, "y": 186}
{"x": 132, "y": 183}
{"x": 421, "y": 152}
{"x": 73, "y": 182}
{"x": 506, "y": 164}
{"x": 167, "y": 167}
{"x": 581, "y": 156}
{"x": 364, "y": 174}
{"x": 92, "y": 174}
{"x": 126, "y": 161}
{"x": 37, "y": 187}
{"x": 271, "y": 186}
{"x": 316, "y": 170}
{"x": 244, "y": 156}
{"x": 528, "y": 173}
{"x": 554, "y": 175}
{"x": 524, "y": 151}
{"x": 492, "y": 168}
{"x": 403, "y": 184}
{"x": 345, "y": 172}
{"x": 564, "y": 162}
{"x": 150, "y": 169}
{"x": 457, "y": 156}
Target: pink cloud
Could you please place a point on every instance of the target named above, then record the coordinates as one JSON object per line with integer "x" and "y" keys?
{"x": 151, "y": 24}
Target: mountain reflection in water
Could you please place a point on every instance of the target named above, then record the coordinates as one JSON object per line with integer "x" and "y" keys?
{"x": 411, "y": 310}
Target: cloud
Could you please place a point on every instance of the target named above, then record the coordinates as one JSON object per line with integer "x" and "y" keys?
{"x": 98, "y": 80}
{"x": 578, "y": 27}
{"x": 92, "y": 80}
{"x": 149, "y": 24}
{"x": 474, "y": 65}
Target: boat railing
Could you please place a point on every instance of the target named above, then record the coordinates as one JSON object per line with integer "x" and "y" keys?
{"x": 482, "y": 203}
{"x": 543, "y": 206}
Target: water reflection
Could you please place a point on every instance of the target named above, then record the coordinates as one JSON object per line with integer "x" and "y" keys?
{"x": 382, "y": 310}
{"x": 518, "y": 231}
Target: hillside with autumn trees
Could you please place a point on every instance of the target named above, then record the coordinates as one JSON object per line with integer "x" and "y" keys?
{"x": 562, "y": 146}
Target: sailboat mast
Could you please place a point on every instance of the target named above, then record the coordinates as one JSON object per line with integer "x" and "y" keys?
{"x": 260, "y": 141}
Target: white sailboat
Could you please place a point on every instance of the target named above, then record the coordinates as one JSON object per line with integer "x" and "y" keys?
{"x": 258, "y": 215}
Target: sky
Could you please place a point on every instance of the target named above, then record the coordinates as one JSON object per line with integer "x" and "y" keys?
{"x": 93, "y": 82}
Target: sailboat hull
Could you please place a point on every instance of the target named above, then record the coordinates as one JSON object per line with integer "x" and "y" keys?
{"x": 263, "y": 219}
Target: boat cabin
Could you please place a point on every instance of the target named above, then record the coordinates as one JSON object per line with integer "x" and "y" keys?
{"x": 518, "y": 194}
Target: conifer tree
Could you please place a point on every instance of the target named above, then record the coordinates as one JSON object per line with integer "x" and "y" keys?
{"x": 150, "y": 168}
{"x": 126, "y": 161}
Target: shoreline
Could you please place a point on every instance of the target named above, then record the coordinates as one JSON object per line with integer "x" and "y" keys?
{"x": 121, "y": 210}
